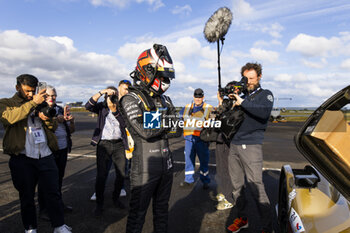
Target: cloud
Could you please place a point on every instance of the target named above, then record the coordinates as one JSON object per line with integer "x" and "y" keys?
{"x": 316, "y": 65}
{"x": 131, "y": 51}
{"x": 242, "y": 10}
{"x": 155, "y": 4}
{"x": 297, "y": 9}
{"x": 183, "y": 47}
{"x": 345, "y": 64}
{"x": 117, "y": 3}
{"x": 308, "y": 89}
{"x": 274, "y": 30}
{"x": 182, "y": 10}
{"x": 262, "y": 43}
{"x": 283, "y": 78}
{"x": 264, "y": 55}
{"x": 56, "y": 61}
{"x": 311, "y": 46}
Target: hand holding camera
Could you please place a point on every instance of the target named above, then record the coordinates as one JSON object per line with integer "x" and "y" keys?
{"x": 66, "y": 114}
{"x": 40, "y": 96}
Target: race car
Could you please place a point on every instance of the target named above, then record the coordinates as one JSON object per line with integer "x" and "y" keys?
{"x": 316, "y": 199}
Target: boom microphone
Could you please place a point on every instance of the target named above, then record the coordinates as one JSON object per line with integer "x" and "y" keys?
{"x": 215, "y": 29}
{"x": 218, "y": 24}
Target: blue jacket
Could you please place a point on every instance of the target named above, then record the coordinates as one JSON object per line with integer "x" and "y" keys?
{"x": 102, "y": 110}
{"x": 257, "y": 109}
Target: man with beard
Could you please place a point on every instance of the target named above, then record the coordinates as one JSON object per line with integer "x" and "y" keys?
{"x": 30, "y": 141}
{"x": 246, "y": 157}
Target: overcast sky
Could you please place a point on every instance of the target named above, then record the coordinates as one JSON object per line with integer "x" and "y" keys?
{"x": 82, "y": 46}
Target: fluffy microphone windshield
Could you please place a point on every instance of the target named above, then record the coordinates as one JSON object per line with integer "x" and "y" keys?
{"x": 218, "y": 24}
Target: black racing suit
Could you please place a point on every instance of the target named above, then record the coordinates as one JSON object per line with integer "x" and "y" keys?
{"x": 151, "y": 167}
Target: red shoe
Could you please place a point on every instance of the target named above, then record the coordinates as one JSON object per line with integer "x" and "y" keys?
{"x": 238, "y": 224}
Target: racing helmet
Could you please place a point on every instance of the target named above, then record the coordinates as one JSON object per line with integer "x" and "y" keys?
{"x": 154, "y": 69}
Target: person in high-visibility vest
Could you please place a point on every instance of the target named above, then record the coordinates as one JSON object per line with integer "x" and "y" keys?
{"x": 192, "y": 113}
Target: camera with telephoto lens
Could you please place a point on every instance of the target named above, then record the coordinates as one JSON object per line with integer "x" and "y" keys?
{"x": 234, "y": 87}
{"x": 113, "y": 99}
{"x": 46, "y": 110}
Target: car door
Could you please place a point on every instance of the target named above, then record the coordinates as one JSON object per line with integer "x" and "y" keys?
{"x": 324, "y": 140}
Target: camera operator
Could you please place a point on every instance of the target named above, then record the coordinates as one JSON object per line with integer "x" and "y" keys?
{"x": 222, "y": 149}
{"x": 111, "y": 140}
{"x": 63, "y": 133}
{"x": 246, "y": 158}
{"x": 29, "y": 139}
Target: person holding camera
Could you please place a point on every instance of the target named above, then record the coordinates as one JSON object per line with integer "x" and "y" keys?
{"x": 222, "y": 148}
{"x": 111, "y": 140}
{"x": 246, "y": 157}
{"x": 63, "y": 133}
{"x": 122, "y": 90}
{"x": 30, "y": 141}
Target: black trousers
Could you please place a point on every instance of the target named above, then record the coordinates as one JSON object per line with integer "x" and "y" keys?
{"x": 156, "y": 187}
{"x": 151, "y": 178}
{"x": 26, "y": 173}
{"x": 108, "y": 150}
{"x": 61, "y": 162}
{"x": 222, "y": 151}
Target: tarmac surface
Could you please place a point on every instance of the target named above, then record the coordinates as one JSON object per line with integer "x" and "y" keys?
{"x": 190, "y": 210}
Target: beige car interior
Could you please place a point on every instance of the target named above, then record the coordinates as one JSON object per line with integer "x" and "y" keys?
{"x": 334, "y": 130}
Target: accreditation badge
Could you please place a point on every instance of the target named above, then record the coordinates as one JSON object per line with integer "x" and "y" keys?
{"x": 38, "y": 134}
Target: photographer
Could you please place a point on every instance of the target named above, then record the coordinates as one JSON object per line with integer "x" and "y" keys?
{"x": 111, "y": 140}
{"x": 29, "y": 139}
{"x": 63, "y": 133}
{"x": 122, "y": 90}
{"x": 246, "y": 157}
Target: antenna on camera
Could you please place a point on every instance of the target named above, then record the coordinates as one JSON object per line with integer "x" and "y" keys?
{"x": 215, "y": 30}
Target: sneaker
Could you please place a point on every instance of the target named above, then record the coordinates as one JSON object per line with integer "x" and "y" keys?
{"x": 63, "y": 229}
{"x": 224, "y": 204}
{"x": 186, "y": 185}
{"x": 93, "y": 197}
{"x": 220, "y": 197}
{"x": 30, "y": 231}
{"x": 122, "y": 193}
{"x": 238, "y": 224}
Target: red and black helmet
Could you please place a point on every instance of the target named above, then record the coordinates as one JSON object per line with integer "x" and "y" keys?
{"x": 154, "y": 69}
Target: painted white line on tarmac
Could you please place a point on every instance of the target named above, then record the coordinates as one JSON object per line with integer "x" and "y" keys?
{"x": 176, "y": 162}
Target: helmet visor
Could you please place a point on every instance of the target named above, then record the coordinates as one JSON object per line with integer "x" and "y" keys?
{"x": 165, "y": 72}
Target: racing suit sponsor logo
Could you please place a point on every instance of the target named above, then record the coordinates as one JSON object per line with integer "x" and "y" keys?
{"x": 295, "y": 222}
{"x": 129, "y": 106}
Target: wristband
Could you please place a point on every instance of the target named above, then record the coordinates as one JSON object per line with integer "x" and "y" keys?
{"x": 100, "y": 93}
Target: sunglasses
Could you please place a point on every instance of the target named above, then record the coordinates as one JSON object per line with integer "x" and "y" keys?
{"x": 125, "y": 82}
